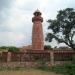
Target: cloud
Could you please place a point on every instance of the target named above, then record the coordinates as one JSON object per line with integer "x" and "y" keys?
{"x": 11, "y": 38}
{"x": 5, "y": 4}
{"x": 16, "y": 18}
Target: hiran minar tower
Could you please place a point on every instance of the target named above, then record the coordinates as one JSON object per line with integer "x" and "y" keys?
{"x": 37, "y": 32}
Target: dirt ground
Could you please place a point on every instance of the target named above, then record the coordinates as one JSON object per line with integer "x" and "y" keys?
{"x": 27, "y": 72}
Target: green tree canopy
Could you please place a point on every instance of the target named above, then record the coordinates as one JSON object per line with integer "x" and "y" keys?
{"x": 10, "y": 48}
{"x": 13, "y": 49}
{"x": 63, "y": 27}
{"x": 47, "y": 47}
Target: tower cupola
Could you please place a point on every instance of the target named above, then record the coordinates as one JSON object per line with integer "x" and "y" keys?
{"x": 37, "y": 31}
{"x": 37, "y": 16}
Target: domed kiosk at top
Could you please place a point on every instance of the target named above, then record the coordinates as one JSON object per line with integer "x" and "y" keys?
{"x": 37, "y": 31}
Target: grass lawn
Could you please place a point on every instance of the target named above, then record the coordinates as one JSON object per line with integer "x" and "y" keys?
{"x": 27, "y": 72}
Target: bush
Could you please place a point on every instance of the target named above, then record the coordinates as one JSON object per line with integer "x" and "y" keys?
{"x": 9, "y": 48}
{"x": 48, "y": 47}
{"x": 42, "y": 65}
{"x": 58, "y": 69}
{"x": 73, "y": 59}
{"x": 13, "y": 49}
{"x": 67, "y": 69}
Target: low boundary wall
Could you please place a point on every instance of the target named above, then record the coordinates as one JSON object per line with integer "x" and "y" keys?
{"x": 53, "y": 57}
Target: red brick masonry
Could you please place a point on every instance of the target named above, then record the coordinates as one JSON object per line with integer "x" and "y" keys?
{"x": 37, "y": 32}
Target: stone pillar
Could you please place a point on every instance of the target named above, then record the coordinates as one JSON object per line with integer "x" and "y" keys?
{"x": 52, "y": 58}
{"x": 9, "y": 57}
{"x": 37, "y": 32}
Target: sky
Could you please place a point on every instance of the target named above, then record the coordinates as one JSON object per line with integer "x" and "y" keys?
{"x": 16, "y": 19}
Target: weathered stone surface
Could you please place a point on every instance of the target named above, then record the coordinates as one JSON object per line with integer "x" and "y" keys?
{"x": 37, "y": 33}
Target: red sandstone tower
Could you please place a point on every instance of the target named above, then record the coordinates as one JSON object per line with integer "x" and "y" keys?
{"x": 37, "y": 32}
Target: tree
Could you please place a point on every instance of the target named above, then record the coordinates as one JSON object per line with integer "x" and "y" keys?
{"x": 3, "y": 47}
{"x": 13, "y": 49}
{"x": 47, "y": 47}
{"x": 10, "y": 48}
{"x": 63, "y": 28}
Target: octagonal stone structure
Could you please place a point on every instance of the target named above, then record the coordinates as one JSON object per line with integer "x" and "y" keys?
{"x": 37, "y": 31}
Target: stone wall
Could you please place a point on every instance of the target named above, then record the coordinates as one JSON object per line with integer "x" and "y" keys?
{"x": 21, "y": 58}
